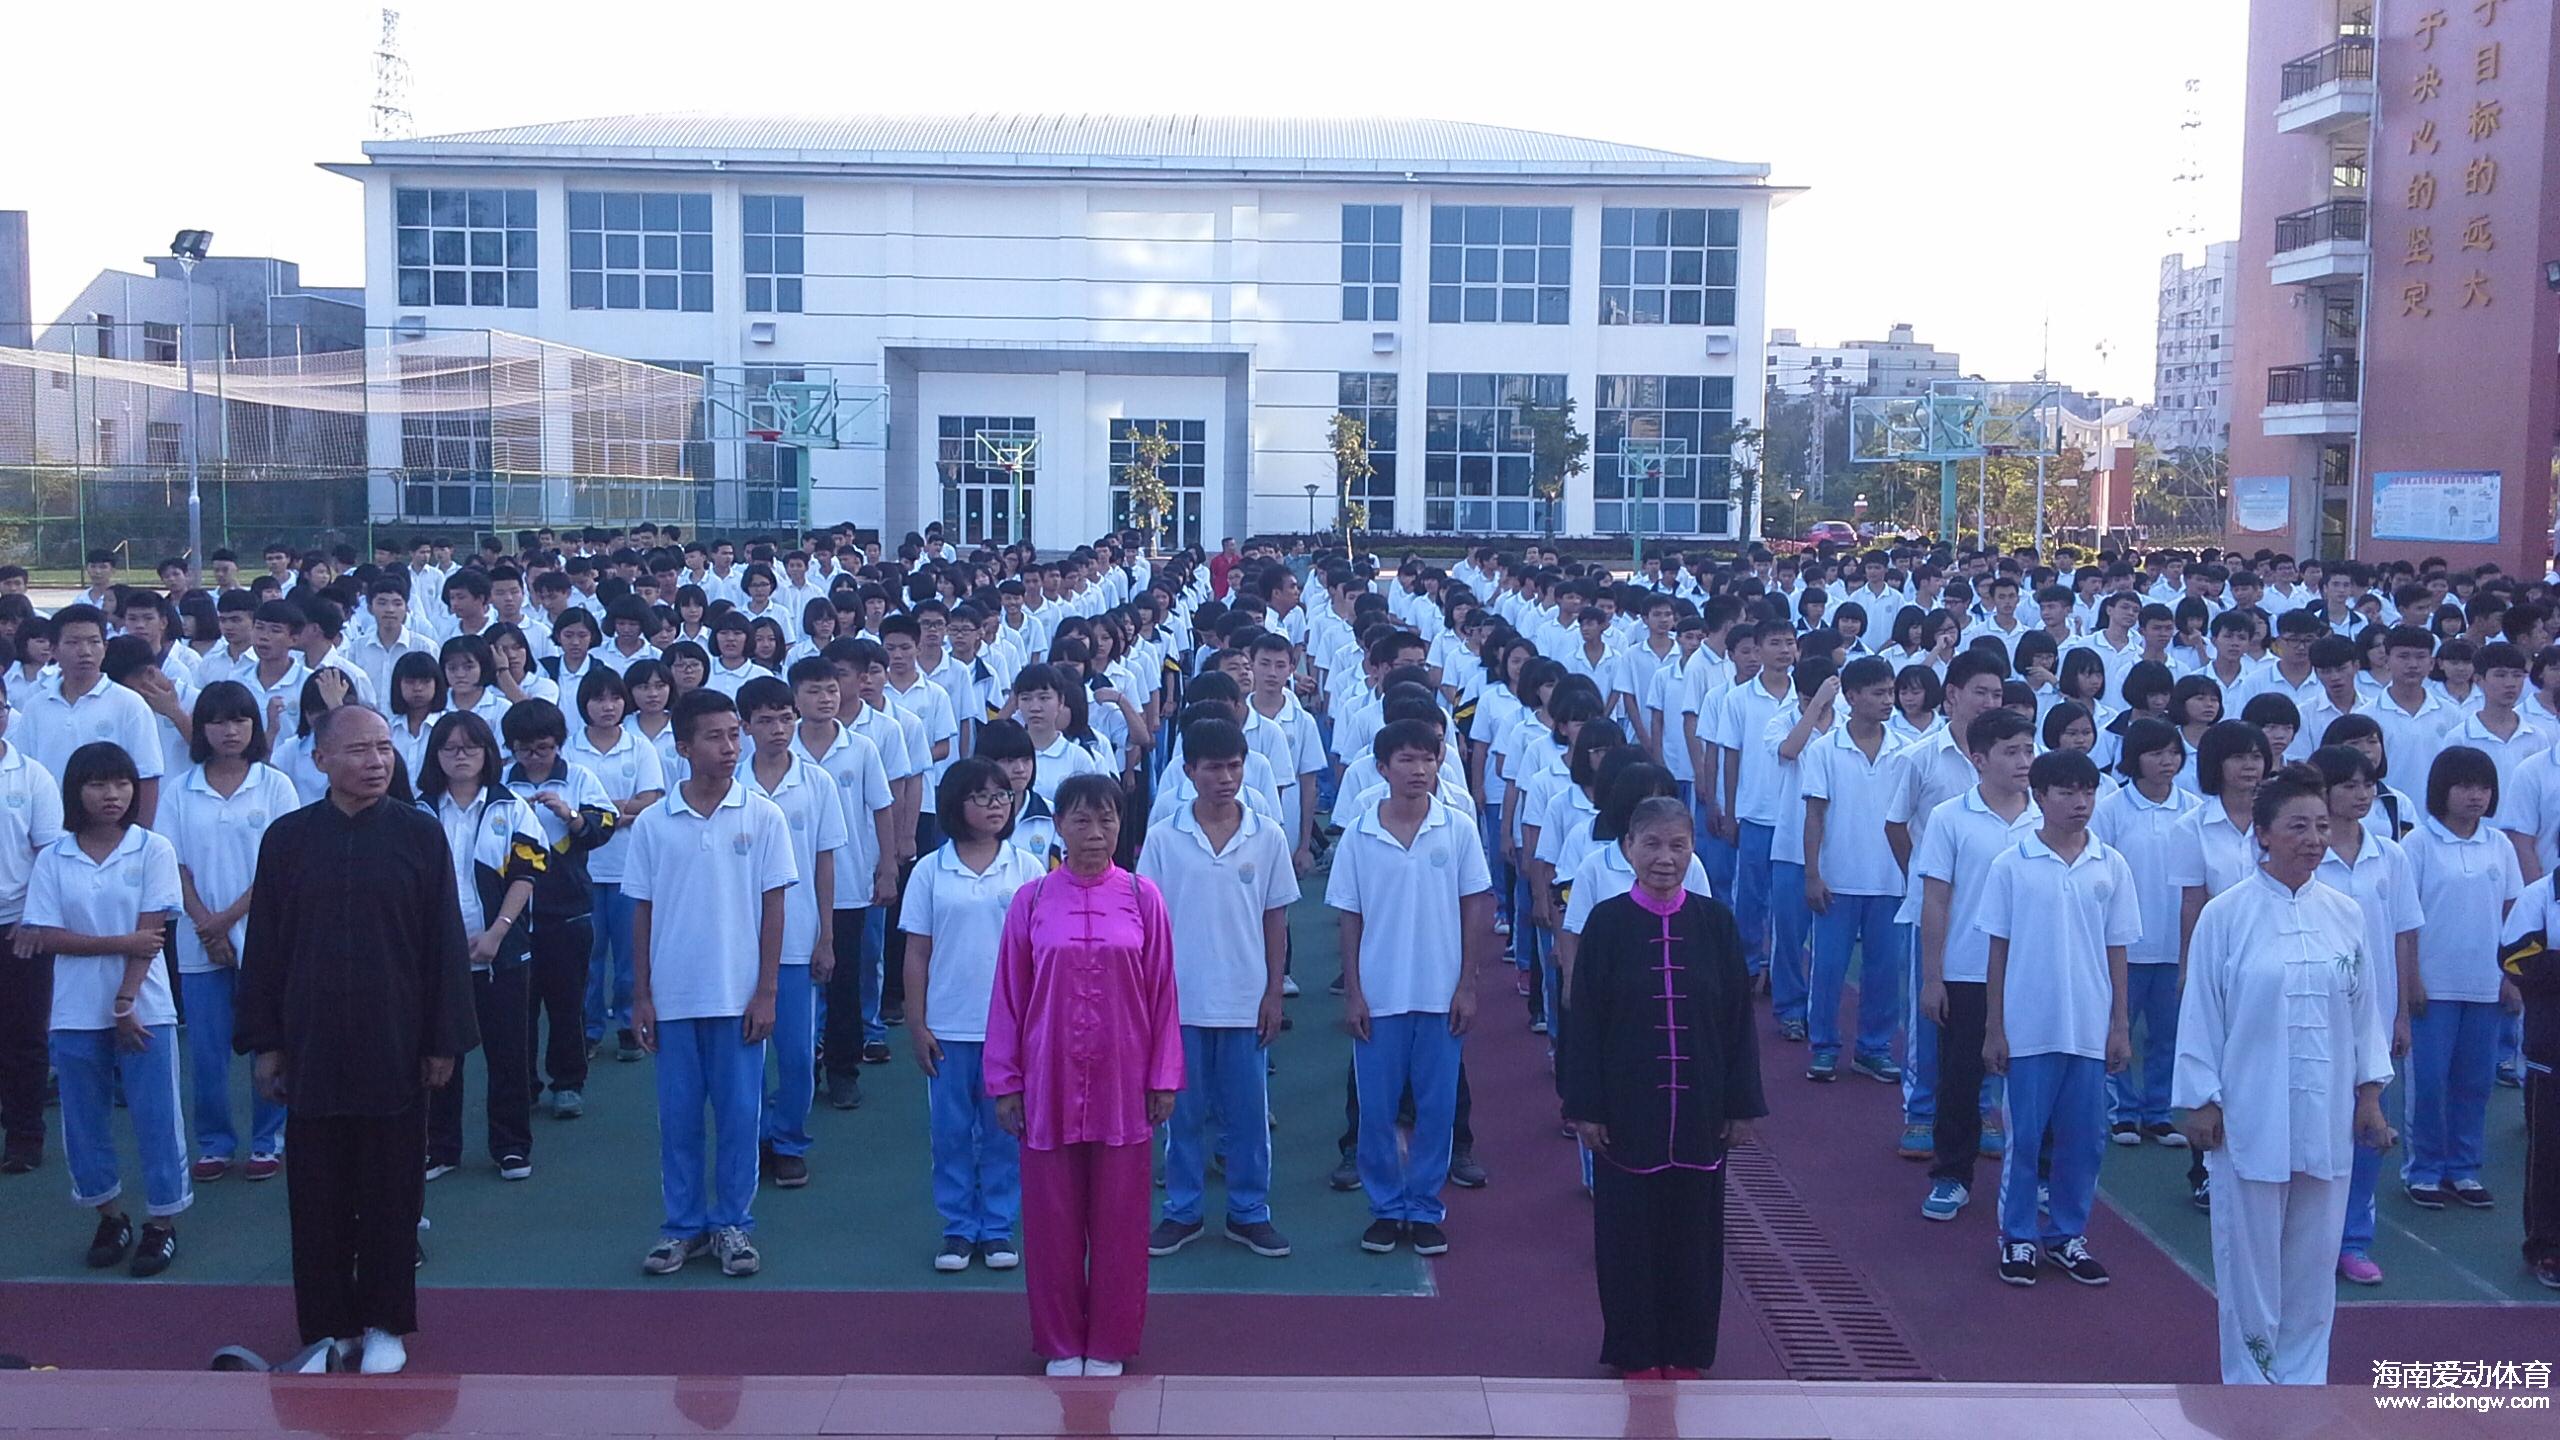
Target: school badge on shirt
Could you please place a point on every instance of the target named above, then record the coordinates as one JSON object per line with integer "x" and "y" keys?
{"x": 740, "y": 844}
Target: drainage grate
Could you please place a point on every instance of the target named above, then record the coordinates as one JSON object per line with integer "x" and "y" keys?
{"x": 1824, "y": 1320}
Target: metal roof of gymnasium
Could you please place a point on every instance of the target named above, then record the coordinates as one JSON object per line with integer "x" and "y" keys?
{"x": 1185, "y": 144}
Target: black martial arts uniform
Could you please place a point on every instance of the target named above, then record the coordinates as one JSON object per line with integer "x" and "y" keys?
{"x": 356, "y": 970}
{"x": 1660, "y": 1049}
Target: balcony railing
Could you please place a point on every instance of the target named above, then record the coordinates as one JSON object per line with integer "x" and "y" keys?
{"x": 2328, "y": 383}
{"x": 2337, "y": 220}
{"x": 2348, "y": 59}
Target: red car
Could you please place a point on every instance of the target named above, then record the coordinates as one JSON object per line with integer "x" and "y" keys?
{"x": 1832, "y": 532}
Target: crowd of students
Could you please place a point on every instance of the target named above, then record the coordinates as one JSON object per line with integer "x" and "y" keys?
{"x": 748, "y": 814}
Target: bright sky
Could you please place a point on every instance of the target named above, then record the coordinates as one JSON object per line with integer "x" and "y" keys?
{"x": 1975, "y": 165}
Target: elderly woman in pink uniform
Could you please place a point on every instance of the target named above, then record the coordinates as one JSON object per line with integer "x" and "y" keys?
{"x": 1084, "y": 1054}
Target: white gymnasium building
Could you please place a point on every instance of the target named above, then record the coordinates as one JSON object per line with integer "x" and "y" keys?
{"x": 1239, "y": 280}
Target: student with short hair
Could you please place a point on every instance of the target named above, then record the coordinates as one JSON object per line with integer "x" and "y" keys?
{"x": 2467, "y": 877}
{"x": 497, "y": 851}
{"x": 576, "y": 815}
{"x": 80, "y": 704}
{"x": 2145, "y": 820}
{"x": 953, "y": 915}
{"x": 98, "y": 900}
{"x": 2055, "y": 1021}
{"x": 1232, "y": 869}
{"x": 866, "y": 869}
{"x": 1964, "y": 835}
{"x": 215, "y": 815}
{"x": 1416, "y": 906}
{"x": 809, "y": 802}
{"x": 1854, "y": 878}
{"x": 709, "y": 873}
{"x": 1084, "y": 1057}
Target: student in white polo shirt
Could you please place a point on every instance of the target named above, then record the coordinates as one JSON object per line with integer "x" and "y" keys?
{"x": 1853, "y": 879}
{"x": 710, "y": 869}
{"x": 1416, "y": 905}
{"x": 215, "y": 814}
{"x": 866, "y": 869}
{"x": 953, "y": 913}
{"x": 2059, "y": 912}
{"x": 80, "y": 705}
{"x": 97, "y": 902}
{"x": 814, "y": 810}
{"x": 2145, "y": 821}
{"x": 1964, "y": 834}
{"x": 30, "y": 820}
{"x": 1231, "y": 870}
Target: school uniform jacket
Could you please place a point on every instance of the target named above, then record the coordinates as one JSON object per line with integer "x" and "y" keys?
{"x": 562, "y": 891}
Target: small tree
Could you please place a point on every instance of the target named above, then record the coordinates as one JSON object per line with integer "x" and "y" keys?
{"x": 1150, "y": 500}
{"x": 1558, "y": 451}
{"x": 1746, "y": 443}
{"x": 1349, "y": 437}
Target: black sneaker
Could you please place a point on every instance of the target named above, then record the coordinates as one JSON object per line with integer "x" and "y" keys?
{"x": 876, "y": 1053}
{"x": 20, "y": 1162}
{"x": 114, "y": 1237}
{"x": 2473, "y": 1194}
{"x": 2201, "y": 1196}
{"x": 1824, "y": 1067}
{"x": 2072, "y": 1257}
{"x": 1345, "y": 1176}
{"x": 2017, "y": 1262}
{"x": 893, "y": 1014}
{"x": 1381, "y": 1237}
{"x": 1335, "y": 988}
{"x": 1171, "y": 1235}
{"x": 790, "y": 1172}
{"x": 1427, "y": 1238}
{"x": 595, "y": 1047}
{"x": 626, "y": 1047}
{"x": 2547, "y": 1272}
{"x": 2426, "y": 1197}
{"x": 2125, "y": 1132}
{"x": 1464, "y": 1172}
{"x": 1260, "y": 1237}
{"x": 844, "y": 1091}
{"x": 159, "y": 1246}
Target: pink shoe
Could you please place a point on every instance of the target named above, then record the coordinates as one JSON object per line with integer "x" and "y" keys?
{"x": 2357, "y": 1269}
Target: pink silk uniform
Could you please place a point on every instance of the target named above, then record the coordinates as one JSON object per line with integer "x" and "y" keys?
{"x": 1082, "y": 1025}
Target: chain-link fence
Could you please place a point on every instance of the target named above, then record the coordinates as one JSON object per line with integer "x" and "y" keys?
{"x": 101, "y": 425}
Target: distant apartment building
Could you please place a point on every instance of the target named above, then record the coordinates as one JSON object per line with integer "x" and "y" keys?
{"x": 1899, "y": 364}
{"x": 2192, "y": 371}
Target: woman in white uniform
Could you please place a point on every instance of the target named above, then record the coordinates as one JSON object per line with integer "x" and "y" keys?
{"x": 2283, "y": 1051}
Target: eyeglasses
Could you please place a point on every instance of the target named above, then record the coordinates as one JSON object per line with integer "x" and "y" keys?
{"x": 992, "y": 799}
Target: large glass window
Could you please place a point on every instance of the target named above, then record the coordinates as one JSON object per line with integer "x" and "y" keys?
{"x": 1372, "y": 261}
{"x": 1370, "y": 398}
{"x": 1693, "y": 494}
{"x": 1185, "y": 474}
{"x": 776, "y": 252}
{"x": 1669, "y": 267}
{"x": 1475, "y": 458}
{"x": 635, "y": 250}
{"x": 977, "y": 492}
{"x": 466, "y": 247}
{"x": 1501, "y": 264}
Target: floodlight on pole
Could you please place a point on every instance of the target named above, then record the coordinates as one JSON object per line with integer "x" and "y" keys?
{"x": 191, "y": 246}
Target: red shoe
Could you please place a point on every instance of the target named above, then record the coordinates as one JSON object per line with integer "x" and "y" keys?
{"x": 1682, "y": 1372}
{"x": 262, "y": 1167}
{"x": 209, "y": 1169}
{"x": 1653, "y": 1374}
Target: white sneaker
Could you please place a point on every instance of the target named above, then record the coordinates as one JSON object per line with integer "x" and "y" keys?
{"x": 1066, "y": 1369}
{"x": 1289, "y": 987}
{"x": 1105, "y": 1369}
{"x": 384, "y": 1353}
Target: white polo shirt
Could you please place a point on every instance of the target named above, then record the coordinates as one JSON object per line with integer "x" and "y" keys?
{"x": 630, "y": 768}
{"x": 2156, "y": 841}
{"x": 1860, "y": 791}
{"x": 929, "y": 705}
{"x": 878, "y": 723}
{"x": 706, "y": 877}
{"x": 132, "y": 889}
{"x": 2508, "y": 754}
{"x": 1964, "y": 837}
{"x": 1059, "y": 760}
{"x": 2211, "y": 851}
{"x": 1741, "y": 716}
{"x": 1219, "y": 964}
{"x": 2059, "y": 997}
{"x": 2463, "y": 889}
{"x": 962, "y": 911}
{"x": 814, "y": 810}
{"x": 2385, "y": 890}
{"x": 30, "y": 820}
{"x": 862, "y": 789}
{"x": 51, "y": 727}
{"x": 216, "y": 837}
{"x": 2410, "y": 740}
{"x": 1786, "y": 836}
{"x": 1407, "y": 897}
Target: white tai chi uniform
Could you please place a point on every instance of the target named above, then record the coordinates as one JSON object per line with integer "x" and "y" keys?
{"x": 2280, "y": 1023}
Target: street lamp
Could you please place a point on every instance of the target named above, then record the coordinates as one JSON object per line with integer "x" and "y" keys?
{"x": 190, "y": 246}
{"x": 1312, "y": 488}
